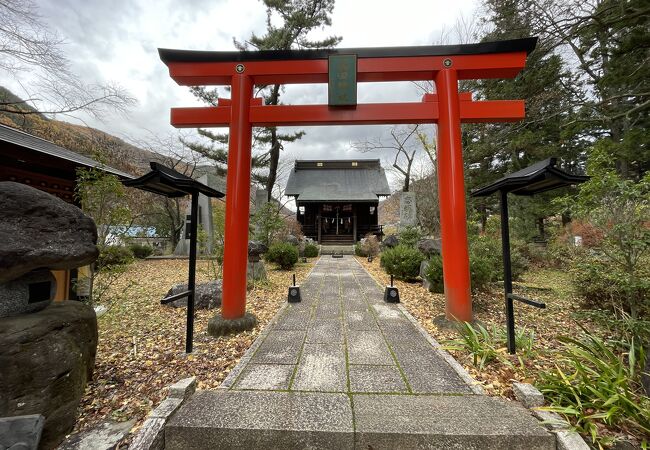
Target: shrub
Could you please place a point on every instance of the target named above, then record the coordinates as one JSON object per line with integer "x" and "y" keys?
{"x": 485, "y": 264}
{"x": 482, "y": 271}
{"x": 487, "y": 253}
{"x": 311, "y": 251}
{"x": 114, "y": 255}
{"x": 402, "y": 261}
{"x": 283, "y": 254}
{"x": 602, "y": 284}
{"x": 433, "y": 274}
{"x": 593, "y": 385}
{"x": 359, "y": 250}
{"x": 141, "y": 251}
{"x": 410, "y": 236}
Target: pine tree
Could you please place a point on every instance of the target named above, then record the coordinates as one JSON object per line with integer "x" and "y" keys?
{"x": 297, "y": 19}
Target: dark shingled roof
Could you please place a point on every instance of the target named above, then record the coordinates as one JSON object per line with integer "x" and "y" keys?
{"x": 36, "y": 144}
{"x": 540, "y": 177}
{"x": 165, "y": 181}
{"x": 337, "y": 180}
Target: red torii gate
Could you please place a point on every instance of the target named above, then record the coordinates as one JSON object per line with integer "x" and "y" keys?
{"x": 444, "y": 65}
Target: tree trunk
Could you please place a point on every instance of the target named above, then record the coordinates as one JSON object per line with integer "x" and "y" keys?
{"x": 274, "y": 152}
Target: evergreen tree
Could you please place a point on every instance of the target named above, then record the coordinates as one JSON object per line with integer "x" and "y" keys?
{"x": 494, "y": 149}
{"x": 297, "y": 19}
{"x": 609, "y": 42}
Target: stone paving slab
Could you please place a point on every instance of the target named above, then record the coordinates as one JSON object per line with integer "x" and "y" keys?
{"x": 269, "y": 377}
{"x": 342, "y": 353}
{"x": 368, "y": 347}
{"x": 280, "y": 347}
{"x": 244, "y": 420}
{"x": 364, "y": 378}
{"x": 445, "y": 422}
{"x": 322, "y": 368}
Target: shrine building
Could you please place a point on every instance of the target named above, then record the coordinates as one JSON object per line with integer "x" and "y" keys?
{"x": 337, "y": 200}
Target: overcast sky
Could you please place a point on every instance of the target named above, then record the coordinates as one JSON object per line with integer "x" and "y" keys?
{"x": 117, "y": 41}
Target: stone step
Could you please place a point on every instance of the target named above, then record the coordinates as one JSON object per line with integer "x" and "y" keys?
{"x": 330, "y": 249}
{"x": 300, "y": 420}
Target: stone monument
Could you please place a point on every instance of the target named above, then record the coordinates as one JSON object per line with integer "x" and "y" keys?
{"x": 204, "y": 216}
{"x": 47, "y": 350}
{"x": 407, "y": 211}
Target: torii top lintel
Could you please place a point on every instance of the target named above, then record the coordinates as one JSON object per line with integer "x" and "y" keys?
{"x": 500, "y": 59}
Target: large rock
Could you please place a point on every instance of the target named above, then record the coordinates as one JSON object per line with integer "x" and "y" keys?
{"x": 206, "y": 295}
{"x": 291, "y": 239}
{"x": 430, "y": 247}
{"x": 390, "y": 242}
{"x": 46, "y": 359}
{"x": 39, "y": 230}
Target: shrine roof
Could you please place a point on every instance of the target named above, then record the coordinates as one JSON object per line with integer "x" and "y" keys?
{"x": 539, "y": 177}
{"x": 358, "y": 180}
{"x": 481, "y": 48}
{"x": 34, "y": 150}
{"x": 170, "y": 183}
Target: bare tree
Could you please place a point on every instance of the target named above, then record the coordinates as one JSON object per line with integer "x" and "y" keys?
{"x": 172, "y": 153}
{"x": 405, "y": 147}
{"x": 28, "y": 46}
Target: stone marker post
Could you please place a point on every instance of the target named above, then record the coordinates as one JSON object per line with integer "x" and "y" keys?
{"x": 407, "y": 211}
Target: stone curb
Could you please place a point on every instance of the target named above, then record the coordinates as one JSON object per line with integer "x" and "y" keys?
{"x": 151, "y": 435}
{"x": 533, "y": 399}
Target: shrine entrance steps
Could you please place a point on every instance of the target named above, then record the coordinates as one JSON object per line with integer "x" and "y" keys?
{"x": 334, "y": 239}
{"x": 344, "y": 370}
{"x": 336, "y": 249}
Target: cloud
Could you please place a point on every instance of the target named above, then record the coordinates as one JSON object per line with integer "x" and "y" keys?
{"x": 117, "y": 41}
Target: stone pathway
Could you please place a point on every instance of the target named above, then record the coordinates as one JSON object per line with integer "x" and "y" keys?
{"x": 343, "y": 369}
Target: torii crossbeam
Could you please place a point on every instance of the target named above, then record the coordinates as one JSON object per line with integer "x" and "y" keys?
{"x": 444, "y": 65}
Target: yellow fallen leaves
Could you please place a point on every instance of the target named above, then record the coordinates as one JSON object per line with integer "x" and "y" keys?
{"x": 142, "y": 343}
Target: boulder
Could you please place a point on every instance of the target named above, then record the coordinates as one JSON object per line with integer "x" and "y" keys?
{"x": 255, "y": 250}
{"x": 430, "y": 247}
{"x": 39, "y": 230}
{"x": 291, "y": 239}
{"x": 46, "y": 359}
{"x": 390, "y": 241}
{"x": 206, "y": 296}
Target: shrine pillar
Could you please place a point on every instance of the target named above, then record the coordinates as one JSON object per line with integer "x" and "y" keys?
{"x": 238, "y": 186}
{"x": 451, "y": 189}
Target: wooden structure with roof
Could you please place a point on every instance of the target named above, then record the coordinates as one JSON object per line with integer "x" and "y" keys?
{"x": 540, "y": 177}
{"x": 27, "y": 159}
{"x": 337, "y": 200}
